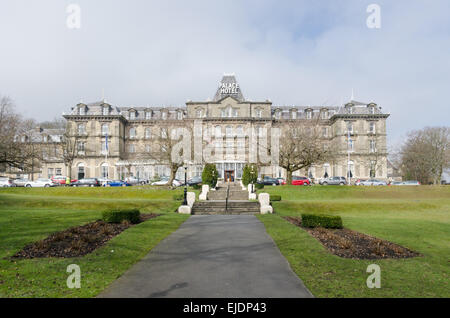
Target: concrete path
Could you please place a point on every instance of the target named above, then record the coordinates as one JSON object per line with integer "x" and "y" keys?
{"x": 212, "y": 256}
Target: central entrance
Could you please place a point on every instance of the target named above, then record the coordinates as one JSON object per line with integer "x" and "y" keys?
{"x": 229, "y": 175}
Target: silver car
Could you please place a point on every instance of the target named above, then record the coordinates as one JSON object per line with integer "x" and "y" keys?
{"x": 406, "y": 183}
{"x": 20, "y": 182}
{"x": 6, "y": 182}
{"x": 371, "y": 182}
{"x": 333, "y": 181}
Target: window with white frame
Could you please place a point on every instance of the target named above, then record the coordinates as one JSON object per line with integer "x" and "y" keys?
{"x": 105, "y": 110}
{"x": 132, "y": 115}
{"x": 372, "y": 127}
{"x": 277, "y": 114}
{"x": 308, "y": 114}
{"x": 164, "y": 115}
{"x": 164, "y": 133}
{"x": 325, "y": 132}
{"x": 132, "y": 132}
{"x": 148, "y": 133}
{"x": 199, "y": 113}
{"x": 324, "y": 114}
{"x": 104, "y": 170}
{"x": 372, "y": 146}
{"x": 258, "y": 113}
{"x": 294, "y": 114}
{"x": 81, "y": 129}
{"x": 131, "y": 148}
{"x": 229, "y": 131}
{"x": 148, "y": 115}
{"x": 240, "y": 131}
{"x": 104, "y": 149}
{"x": 80, "y": 146}
{"x": 82, "y": 110}
{"x": 350, "y": 145}
{"x": 350, "y": 127}
{"x": 235, "y": 112}
{"x": 180, "y": 115}
{"x": 148, "y": 148}
{"x": 218, "y": 131}
{"x": 105, "y": 129}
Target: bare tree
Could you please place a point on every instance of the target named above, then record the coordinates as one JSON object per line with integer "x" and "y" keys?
{"x": 166, "y": 148}
{"x": 302, "y": 147}
{"x": 426, "y": 154}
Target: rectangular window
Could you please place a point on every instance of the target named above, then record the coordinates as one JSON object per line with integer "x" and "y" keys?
{"x": 105, "y": 111}
{"x": 325, "y": 131}
{"x": 81, "y": 129}
{"x": 373, "y": 146}
{"x": 58, "y": 171}
{"x": 80, "y": 146}
{"x": 350, "y": 145}
{"x": 372, "y": 127}
{"x": 132, "y": 115}
{"x": 308, "y": 114}
{"x": 50, "y": 172}
{"x": 294, "y": 114}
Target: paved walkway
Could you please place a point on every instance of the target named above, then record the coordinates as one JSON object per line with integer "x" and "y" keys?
{"x": 212, "y": 256}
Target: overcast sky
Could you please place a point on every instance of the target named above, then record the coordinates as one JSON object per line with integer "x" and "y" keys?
{"x": 291, "y": 52}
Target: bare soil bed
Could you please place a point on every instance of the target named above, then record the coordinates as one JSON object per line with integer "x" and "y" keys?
{"x": 77, "y": 241}
{"x": 352, "y": 244}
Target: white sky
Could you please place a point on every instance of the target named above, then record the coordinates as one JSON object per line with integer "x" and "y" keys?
{"x": 291, "y": 52}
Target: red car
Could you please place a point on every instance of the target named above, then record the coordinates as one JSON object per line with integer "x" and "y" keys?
{"x": 300, "y": 181}
{"x": 61, "y": 179}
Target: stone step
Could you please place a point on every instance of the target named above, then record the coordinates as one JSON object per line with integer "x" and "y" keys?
{"x": 218, "y": 207}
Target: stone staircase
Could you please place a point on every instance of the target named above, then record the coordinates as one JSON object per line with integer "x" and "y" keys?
{"x": 237, "y": 202}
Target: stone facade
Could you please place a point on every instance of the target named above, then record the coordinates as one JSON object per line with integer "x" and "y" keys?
{"x": 359, "y": 129}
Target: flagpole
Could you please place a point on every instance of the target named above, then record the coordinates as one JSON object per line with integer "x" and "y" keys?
{"x": 106, "y": 159}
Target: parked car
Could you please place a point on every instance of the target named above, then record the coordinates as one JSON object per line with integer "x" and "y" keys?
{"x": 136, "y": 181}
{"x": 334, "y": 181}
{"x": 194, "y": 181}
{"x": 165, "y": 181}
{"x": 20, "y": 182}
{"x": 411, "y": 183}
{"x": 40, "y": 183}
{"x": 445, "y": 182}
{"x": 269, "y": 181}
{"x": 62, "y": 180}
{"x": 117, "y": 183}
{"x": 370, "y": 182}
{"x": 87, "y": 182}
{"x": 396, "y": 183}
{"x": 6, "y": 182}
{"x": 296, "y": 180}
{"x": 281, "y": 181}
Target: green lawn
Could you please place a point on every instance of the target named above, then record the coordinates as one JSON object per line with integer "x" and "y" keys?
{"x": 28, "y": 215}
{"x": 415, "y": 217}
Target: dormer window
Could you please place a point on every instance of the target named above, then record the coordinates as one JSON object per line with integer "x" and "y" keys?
{"x": 199, "y": 113}
{"x": 82, "y": 111}
{"x": 308, "y": 114}
{"x": 294, "y": 114}
{"x": 180, "y": 115}
{"x": 105, "y": 110}
{"x": 258, "y": 113}
{"x": 132, "y": 114}
{"x": 164, "y": 115}
{"x": 148, "y": 115}
{"x": 324, "y": 114}
{"x": 277, "y": 114}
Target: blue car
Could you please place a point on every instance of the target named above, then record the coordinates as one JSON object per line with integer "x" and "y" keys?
{"x": 118, "y": 183}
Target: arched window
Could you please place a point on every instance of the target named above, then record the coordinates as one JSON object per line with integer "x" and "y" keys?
{"x": 240, "y": 131}
{"x": 229, "y": 131}
{"x": 133, "y": 132}
{"x": 218, "y": 131}
{"x": 105, "y": 129}
{"x": 350, "y": 169}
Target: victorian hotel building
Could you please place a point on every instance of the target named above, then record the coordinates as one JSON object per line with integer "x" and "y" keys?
{"x": 112, "y": 141}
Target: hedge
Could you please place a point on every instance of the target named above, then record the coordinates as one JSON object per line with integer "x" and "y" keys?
{"x": 117, "y": 216}
{"x": 259, "y": 186}
{"x": 322, "y": 220}
{"x": 275, "y": 197}
{"x": 210, "y": 175}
